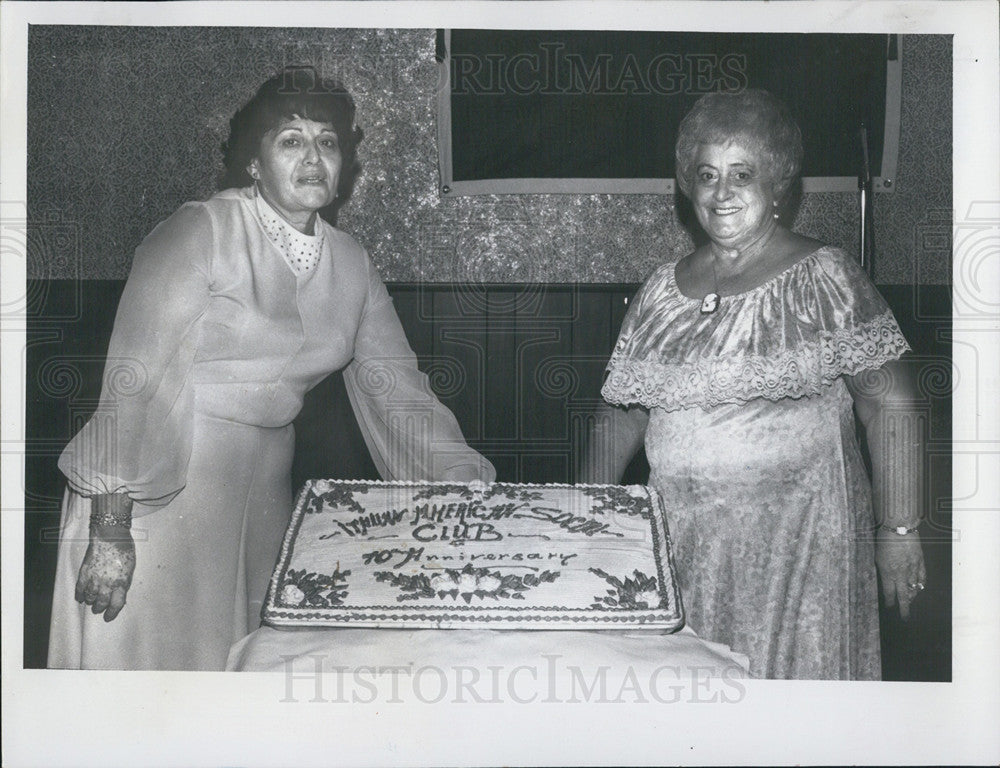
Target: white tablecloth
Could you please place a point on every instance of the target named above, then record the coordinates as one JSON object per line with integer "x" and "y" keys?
{"x": 434, "y": 665}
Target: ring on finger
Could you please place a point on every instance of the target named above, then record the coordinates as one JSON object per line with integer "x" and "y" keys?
{"x": 916, "y": 586}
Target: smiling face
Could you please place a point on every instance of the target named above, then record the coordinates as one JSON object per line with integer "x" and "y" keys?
{"x": 732, "y": 194}
{"x": 297, "y": 169}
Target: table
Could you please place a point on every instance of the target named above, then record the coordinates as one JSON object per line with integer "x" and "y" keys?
{"x": 477, "y": 665}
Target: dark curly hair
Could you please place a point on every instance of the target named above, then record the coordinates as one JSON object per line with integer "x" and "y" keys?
{"x": 755, "y": 117}
{"x": 298, "y": 91}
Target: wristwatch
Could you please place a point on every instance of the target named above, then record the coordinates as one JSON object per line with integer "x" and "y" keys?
{"x": 902, "y": 530}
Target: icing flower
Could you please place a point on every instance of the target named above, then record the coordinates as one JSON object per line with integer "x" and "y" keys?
{"x": 292, "y": 595}
{"x": 650, "y": 597}
{"x": 467, "y": 582}
{"x": 440, "y": 582}
{"x": 489, "y": 583}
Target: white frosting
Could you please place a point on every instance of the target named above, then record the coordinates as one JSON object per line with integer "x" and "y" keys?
{"x": 503, "y": 555}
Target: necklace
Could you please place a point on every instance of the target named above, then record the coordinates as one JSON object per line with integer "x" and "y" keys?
{"x": 711, "y": 301}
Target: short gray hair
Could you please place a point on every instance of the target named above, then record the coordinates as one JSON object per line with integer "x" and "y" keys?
{"x": 760, "y": 121}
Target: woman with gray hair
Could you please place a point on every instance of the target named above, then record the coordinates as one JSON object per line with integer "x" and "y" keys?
{"x": 741, "y": 366}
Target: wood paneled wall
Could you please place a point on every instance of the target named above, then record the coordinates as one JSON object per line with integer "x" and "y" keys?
{"x": 520, "y": 367}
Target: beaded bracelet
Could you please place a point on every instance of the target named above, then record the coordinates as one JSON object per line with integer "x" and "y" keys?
{"x": 116, "y": 515}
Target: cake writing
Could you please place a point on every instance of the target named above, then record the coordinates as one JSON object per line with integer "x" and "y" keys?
{"x": 417, "y": 554}
{"x": 360, "y": 525}
{"x": 466, "y": 521}
{"x": 424, "y": 517}
{"x": 570, "y": 522}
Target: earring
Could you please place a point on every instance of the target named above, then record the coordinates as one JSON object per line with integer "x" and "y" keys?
{"x": 776, "y": 214}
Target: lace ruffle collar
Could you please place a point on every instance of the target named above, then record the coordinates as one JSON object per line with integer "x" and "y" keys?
{"x": 793, "y": 336}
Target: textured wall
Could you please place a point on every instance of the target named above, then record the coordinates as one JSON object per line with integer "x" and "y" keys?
{"x": 922, "y": 200}
{"x": 125, "y": 124}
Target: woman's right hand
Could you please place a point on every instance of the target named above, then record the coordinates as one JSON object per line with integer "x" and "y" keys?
{"x": 106, "y": 572}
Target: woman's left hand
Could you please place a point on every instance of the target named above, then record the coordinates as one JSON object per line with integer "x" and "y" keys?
{"x": 900, "y": 563}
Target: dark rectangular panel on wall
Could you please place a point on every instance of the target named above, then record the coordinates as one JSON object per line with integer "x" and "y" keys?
{"x": 591, "y": 330}
{"x": 459, "y": 349}
{"x": 585, "y": 105}
{"x": 542, "y": 330}
{"x": 592, "y": 333}
{"x": 415, "y": 318}
{"x": 500, "y": 405}
{"x": 328, "y": 441}
{"x": 508, "y": 359}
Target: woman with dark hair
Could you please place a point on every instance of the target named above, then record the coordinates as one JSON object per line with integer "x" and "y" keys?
{"x": 179, "y": 486}
{"x": 297, "y": 91}
{"x": 740, "y": 366}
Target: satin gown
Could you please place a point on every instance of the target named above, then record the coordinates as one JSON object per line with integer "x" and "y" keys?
{"x": 751, "y": 441}
{"x": 216, "y": 341}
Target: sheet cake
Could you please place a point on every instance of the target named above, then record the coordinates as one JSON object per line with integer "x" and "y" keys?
{"x": 450, "y": 555}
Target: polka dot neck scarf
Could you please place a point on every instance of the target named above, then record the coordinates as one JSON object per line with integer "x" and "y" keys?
{"x": 301, "y": 252}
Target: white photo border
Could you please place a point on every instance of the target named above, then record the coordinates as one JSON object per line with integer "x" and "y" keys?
{"x": 106, "y": 719}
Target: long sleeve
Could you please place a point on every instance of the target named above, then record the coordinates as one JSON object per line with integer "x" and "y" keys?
{"x": 409, "y": 433}
{"x": 138, "y": 441}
